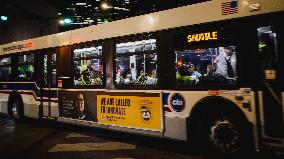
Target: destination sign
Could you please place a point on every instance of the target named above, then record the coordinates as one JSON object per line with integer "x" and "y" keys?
{"x": 202, "y": 37}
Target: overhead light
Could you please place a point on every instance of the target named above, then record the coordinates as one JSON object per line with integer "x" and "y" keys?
{"x": 81, "y": 4}
{"x": 67, "y": 21}
{"x": 104, "y": 5}
{"x": 89, "y": 20}
{"x": 4, "y": 17}
{"x": 59, "y": 13}
{"x": 61, "y": 22}
{"x": 118, "y": 8}
{"x": 70, "y": 8}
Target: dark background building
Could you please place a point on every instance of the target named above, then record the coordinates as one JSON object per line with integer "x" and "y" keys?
{"x": 34, "y": 18}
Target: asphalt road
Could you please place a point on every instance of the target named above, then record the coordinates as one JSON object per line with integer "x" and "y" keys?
{"x": 34, "y": 139}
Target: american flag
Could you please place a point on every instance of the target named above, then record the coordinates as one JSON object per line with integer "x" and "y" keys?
{"x": 229, "y": 7}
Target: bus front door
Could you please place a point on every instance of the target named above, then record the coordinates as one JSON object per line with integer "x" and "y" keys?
{"x": 270, "y": 93}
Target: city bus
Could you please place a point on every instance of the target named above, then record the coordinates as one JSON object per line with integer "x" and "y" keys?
{"x": 209, "y": 73}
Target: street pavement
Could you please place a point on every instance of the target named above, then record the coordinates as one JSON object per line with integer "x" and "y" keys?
{"x": 34, "y": 139}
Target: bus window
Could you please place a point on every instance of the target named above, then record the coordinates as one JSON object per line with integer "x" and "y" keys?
{"x": 267, "y": 45}
{"x": 25, "y": 68}
{"x": 5, "y": 69}
{"x": 136, "y": 63}
{"x": 216, "y": 65}
{"x": 88, "y": 66}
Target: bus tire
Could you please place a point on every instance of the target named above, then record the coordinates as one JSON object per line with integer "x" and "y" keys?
{"x": 223, "y": 134}
{"x": 16, "y": 107}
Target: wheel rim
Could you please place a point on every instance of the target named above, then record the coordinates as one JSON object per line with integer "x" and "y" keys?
{"x": 225, "y": 136}
{"x": 15, "y": 110}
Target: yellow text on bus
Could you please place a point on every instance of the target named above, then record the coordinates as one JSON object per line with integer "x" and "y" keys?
{"x": 202, "y": 37}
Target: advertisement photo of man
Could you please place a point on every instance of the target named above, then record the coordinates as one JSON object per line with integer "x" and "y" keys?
{"x": 81, "y": 107}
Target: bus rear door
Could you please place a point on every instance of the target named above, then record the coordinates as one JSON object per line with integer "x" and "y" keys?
{"x": 49, "y": 83}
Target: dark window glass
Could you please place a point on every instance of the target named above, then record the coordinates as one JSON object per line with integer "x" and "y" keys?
{"x": 5, "y": 69}
{"x": 88, "y": 66}
{"x": 5, "y": 61}
{"x": 136, "y": 63}
{"x": 26, "y": 58}
{"x": 5, "y": 73}
{"x": 216, "y": 65}
{"x": 267, "y": 45}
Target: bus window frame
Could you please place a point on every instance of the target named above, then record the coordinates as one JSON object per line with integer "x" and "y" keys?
{"x": 84, "y": 45}
{"x": 133, "y": 38}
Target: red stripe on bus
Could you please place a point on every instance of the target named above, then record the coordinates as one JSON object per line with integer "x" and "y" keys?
{"x": 30, "y": 93}
{"x": 167, "y": 109}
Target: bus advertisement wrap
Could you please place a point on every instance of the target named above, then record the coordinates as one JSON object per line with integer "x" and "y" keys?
{"x": 78, "y": 105}
{"x": 137, "y": 110}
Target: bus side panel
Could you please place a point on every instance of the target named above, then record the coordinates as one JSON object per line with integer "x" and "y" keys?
{"x": 175, "y": 128}
{"x": 54, "y": 109}
{"x": 178, "y": 106}
{"x": 4, "y": 103}
{"x": 31, "y": 106}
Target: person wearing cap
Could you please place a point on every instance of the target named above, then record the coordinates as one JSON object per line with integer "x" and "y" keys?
{"x": 193, "y": 73}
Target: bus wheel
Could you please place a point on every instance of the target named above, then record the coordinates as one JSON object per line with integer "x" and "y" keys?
{"x": 224, "y": 134}
{"x": 16, "y": 106}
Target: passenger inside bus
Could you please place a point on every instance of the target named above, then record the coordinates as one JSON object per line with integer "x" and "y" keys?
{"x": 86, "y": 75}
{"x": 141, "y": 78}
{"x": 183, "y": 76}
{"x": 26, "y": 71}
{"x": 127, "y": 77}
{"x": 206, "y": 66}
{"x": 193, "y": 73}
{"x": 151, "y": 78}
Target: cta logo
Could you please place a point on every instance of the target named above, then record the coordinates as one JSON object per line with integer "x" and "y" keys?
{"x": 177, "y": 102}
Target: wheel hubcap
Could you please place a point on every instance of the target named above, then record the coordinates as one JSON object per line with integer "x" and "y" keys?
{"x": 225, "y": 136}
{"x": 15, "y": 111}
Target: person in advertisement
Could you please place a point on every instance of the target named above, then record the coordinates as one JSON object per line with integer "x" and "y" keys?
{"x": 81, "y": 107}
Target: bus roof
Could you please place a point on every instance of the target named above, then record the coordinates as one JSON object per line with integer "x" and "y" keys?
{"x": 208, "y": 11}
